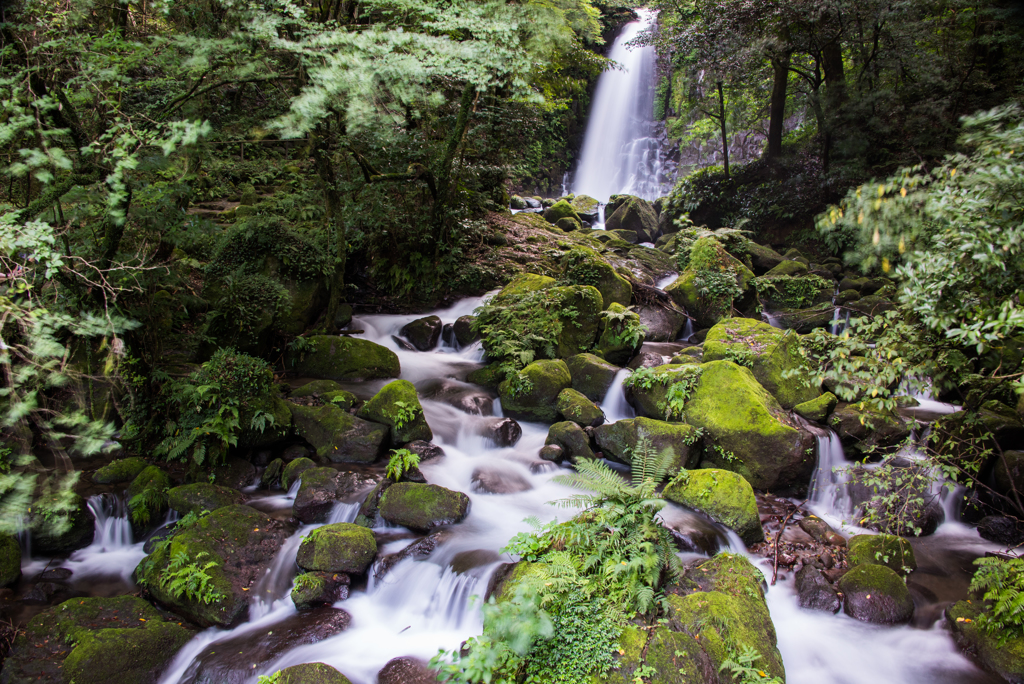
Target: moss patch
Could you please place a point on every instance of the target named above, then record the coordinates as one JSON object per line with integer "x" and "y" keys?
{"x": 121, "y": 470}
{"x": 339, "y": 436}
{"x": 591, "y": 375}
{"x": 397, "y": 406}
{"x": 199, "y": 497}
{"x": 533, "y": 393}
{"x": 422, "y": 507}
{"x": 724, "y": 496}
{"x": 876, "y": 594}
{"x": 311, "y": 673}
{"x": 340, "y": 547}
{"x": 889, "y": 550}
{"x": 293, "y": 471}
{"x": 577, "y": 408}
{"x": 1004, "y": 659}
{"x": 344, "y": 358}
{"x": 620, "y": 440}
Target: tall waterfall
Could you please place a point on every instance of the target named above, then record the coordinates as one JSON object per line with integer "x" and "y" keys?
{"x": 621, "y": 153}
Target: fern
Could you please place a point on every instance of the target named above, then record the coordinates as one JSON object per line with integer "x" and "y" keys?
{"x": 183, "y": 577}
{"x": 1003, "y": 584}
{"x": 400, "y": 463}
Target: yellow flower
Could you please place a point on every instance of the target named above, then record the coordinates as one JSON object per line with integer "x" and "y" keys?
{"x": 903, "y": 192}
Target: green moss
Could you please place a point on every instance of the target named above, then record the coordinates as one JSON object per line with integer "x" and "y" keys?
{"x": 339, "y": 436}
{"x": 397, "y": 406}
{"x": 788, "y": 268}
{"x": 628, "y": 659}
{"x": 339, "y": 547}
{"x": 344, "y": 358}
{"x": 577, "y": 408}
{"x": 621, "y": 439}
{"x": 1006, "y": 659}
{"x": 770, "y": 353}
{"x": 488, "y": 376}
{"x": 311, "y": 673}
{"x": 723, "y": 496}
{"x": 817, "y": 409}
{"x": 591, "y": 375}
{"x": 622, "y": 335}
{"x": 520, "y": 572}
{"x": 889, "y": 550}
{"x": 422, "y": 507}
{"x": 677, "y": 658}
{"x": 293, "y": 471}
{"x": 776, "y": 292}
{"x": 523, "y": 284}
{"x": 728, "y": 573}
{"x": 201, "y": 496}
{"x": 315, "y": 388}
{"x": 10, "y": 560}
{"x": 573, "y": 440}
{"x": 876, "y": 594}
{"x": 121, "y": 470}
{"x": 559, "y": 210}
{"x": 343, "y": 399}
{"x": 744, "y": 426}
{"x": 584, "y": 266}
{"x": 651, "y": 388}
{"x": 533, "y": 393}
{"x": 584, "y": 205}
{"x": 275, "y": 430}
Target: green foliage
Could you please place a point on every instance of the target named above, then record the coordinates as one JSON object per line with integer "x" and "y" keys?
{"x": 680, "y": 383}
{"x": 269, "y": 679}
{"x": 142, "y": 506}
{"x": 742, "y": 667}
{"x": 787, "y": 292}
{"x": 402, "y": 413}
{"x": 307, "y": 581}
{"x": 189, "y": 520}
{"x": 185, "y": 577}
{"x": 401, "y": 462}
{"x": 1002, "y": 580}
{"x": 898, "y": 496}
{"x": 628, "y": 330}
{"x": 247, "y": 249}
{"x": 740, "y": 356}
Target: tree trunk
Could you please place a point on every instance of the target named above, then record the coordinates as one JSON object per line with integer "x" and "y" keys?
{"x": 321, "y": 144}
{"x": 777, "y": 108}
{"x": 725, "y": 133}
{"x": 445, "y": 172}
{"x": 114, "y": 230}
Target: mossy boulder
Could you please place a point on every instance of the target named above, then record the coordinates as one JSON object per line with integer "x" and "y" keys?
{"x": 340, "y": 547}
{"x": 60, "y": 524}
{"x": 121, "y": 470}
{"x": 584, "y": 266}
{"x": 776, "y": 292}
{"x": 762, "y": 258}
{"x": 806, "y": 320}
{"x": 532, "y": 394}
{"x": 635, "y": 214}
{"x": 291, "y": 473}
{"x": 591, "y": 375}
{"x": 889, "y": 550}
{"x": 240, "y": 540}
{"x": 747, "y": 431}
{"x": 315, "y": 388}
{"x": 463, "y": 330}
{"x": 313, "y": 589}
{"x": 95, "y": 641}
{"x": 271, "y": 475}
{"x": 724, "y": 496}
{"x": 863, "y": 430}
{"x": 876, "y": 594}
{"x": 343, "y": 358}
{"x": 202, "y": 496}
{"x": 1003, "y": 658}
{"x": 707, "y": 312}
{"x": 10, "y": 560}
{"x": 560, "y": 210}
{"x": 277, "y": 423}
{"x": 770, "y": 354}
{"x": 789, "y": 268}
{"x": 488, "y": 376}
{"x": 574, "y": 441}
{"x": 397, "y": 406}
{"x": 650, "y": 397}
{"x": 618, "y": 342}
{"x": 339, "y": 436}
{"x": 568, "y": 224}
{"x": 817, "y": 409}
{"x": 728, "y": 573}
{"x": 620, "y": 440}
{"x": 586, "y": 207}
{"x": 422, "y": 507}
{"x": 234, "y": 473}
{"x": 311, "y": 673}
{"x": 320, "y": 490}
{"x": 572, "y": 405}
{"x": 524, "y": 284}
{"x": 423, "y": 333}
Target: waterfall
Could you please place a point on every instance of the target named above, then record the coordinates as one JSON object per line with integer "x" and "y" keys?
{"x": 620, "y": 151}
{"x": 614, "y": 404}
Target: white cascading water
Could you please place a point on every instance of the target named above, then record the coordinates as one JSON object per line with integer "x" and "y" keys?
{"x": 621, "y": 154}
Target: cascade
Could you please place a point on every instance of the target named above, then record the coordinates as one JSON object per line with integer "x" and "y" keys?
{"x": 621, "y": 152}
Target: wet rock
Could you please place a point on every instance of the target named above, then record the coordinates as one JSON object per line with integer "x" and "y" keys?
{"x": 55, "y": 575}
{"x": 10, "y": 560}
{"x": 574, "y": 406}
{"x": 239, "y": 540}
{"x": 815, "y": 592}
{"x": 620, "y": 440}
{"x": 422, "y": 507}
{"x": 339, "y": 436}
{"x": 1001, "y": 530}
{"x": 646, "y": 359}
{"x": 1003, "y": 658}
{"x": 339, "y": 547}
{"x": 199, "y": 497}
{"x": 876, "y": 594}
{"x": 893, "y": 552}
{"x": 95, "y": 641}
{"x": 425, "y": 450}
{"x": 894, "y": 503}
{"x": 344, "y": 358}
{"x": 763, "y": 259}
{"x": 495, "y": 479}
{"x": 572, "y": 440}
{"x": 463, "y": 329}
{"x": 397, "y": 406}
{"x": 121, "y": 470}
{"x": 723, "y": 496}
{"x": 423, "y": 333}
{"x": 635, "y": 214}
{"x": 532, "y": 394}
{"x": 236, "y": 473}
{"x": 403, "y": 344}
{"x": 271, "y": 474}
{"x": 42, "y": 593}
{"x": 293, "y": 471}
{"x": 663, "y": 325}
{"x": 817, "y": 409}
{"x": 321, "y": 488}
{"x": 821, "y": 532}
{"x": 467, "y": 398}
{"x": 406, "y": 670}
{"x": 448, "y": 335}
{"x": 60, "y": 525}
{"x": 552, "y": 452}
{"x": 591, "y": 375}
{"x": 315, "y": 388}
{"x": 418, "y": 550}
{"x": 505, "y": 432}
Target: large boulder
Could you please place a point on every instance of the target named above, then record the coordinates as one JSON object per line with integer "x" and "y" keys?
{"x": 654, "y": 393}
{"x": 423, "y": 333}
{"x": 292, "y": 472}
{"x": 343, "y": 358}
{"x": 95, "y": 641}
{"x": 773, "y": 355}
{"x": 340, "y": 547}
{"x": 239, "y": 541}
{"x": 889, "y": 550}
{"x": 422, "y": 507}
{"x": 591, "y": 375}
{"x": 723, "y": 496}
{"x": 663, "y": 324}
{"x": 121, "y": 470}
{"x": 339, "y": 436}
{"x": 560, "y": 210}
{"x": 747, "y": 431}
{"x": 573, "y": 406}
{"x": 1004, "y": 657}
{"x": 620, "y": 441}
{"x": 817, "y": 409}
{"x": 621, "y": 335}
{"x": 60, "y": 524}
{"x": 762, "y": 258}
{"x": 202, "y": 496}
{"x": 574, "y": 442}
{"x": 532, "y": 393}
{"x": 584, "y": 266}
{"x": 311, "y": 673}
{"x": 397, "y": 406}
{"x": 863, "y": 430}
{"x": 815, "y": 592}
{"x": 876, "y": 594}
{"x": 321, "y": 488}
{"x": 784, "y": 292}
{"x": 10, "y": 560}
{"x": 635, "y": 214}
{"x": 586, "y": 207}
{"x": 692, "y": 291}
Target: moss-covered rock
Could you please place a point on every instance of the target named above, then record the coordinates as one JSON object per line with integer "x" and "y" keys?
{"x": 201, "y": 496}
{"x": 343, "y": 358}
{"x": 95, "y": 641}
{"x": 1005, "y": 659}
{"x": 315, "y": 388}
{"x": 862, "y": 429}
{"x": 620, "y": 440}
{"x": 313, "y": 589}
{"x": 271, "y": 475}
{"x": 876, "y": 594}
{"x": 276, "y": 424}
{"x": 463, "y": 329}
{"x": 340, "y": 547}
{"x": 707, "y": 311}
{"x": 524, "y": 284}
{"x": 783, "y": 292}
{"x": 560, "y": 210}
{"x": 724, "y": 496}
{"x": 889, "y": 550}
{"x": 817, "y": 409}
{"x": 762, "y": 258}
{"x": 573, "y": 440}
{"x": 770, "y": 353}
{"x": 586, "y": 207}
{"x": 815, "y": 592}
{"x": 339, "y": 436}
{"x": 635, "y": 214}
{"x": 10, "y": 560}
{"x": 240, "y": 540}
{"x": 532, "y": 394}
{"x": 568, "y": 224}
{"x": 294, "y": 470}
{"x": 728, "y": 573}
{"x": 591, "y": 375}
{"x": 789, "y": 268}
{"x": 397, "y": 406}
{"x": 584, "y": 266}
{"x": 422, "y": 507}
{"x": 60, "y": 524}
{"x": 574, "y": 406}
{"x": 234, "y": 473}
{"x": 747, "y": 431}
{"x": 320, "y": 490}
{"x": 121, "y": 470}
{"x": 650, "y": 397}
{"x": 311, "y": 673}
{"x": 621, "y": 335}
{"x": 423, "y": 333}
{"x": 488, "y": 376}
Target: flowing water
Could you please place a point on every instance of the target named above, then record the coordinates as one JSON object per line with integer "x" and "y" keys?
{"x": 622, "y": 153}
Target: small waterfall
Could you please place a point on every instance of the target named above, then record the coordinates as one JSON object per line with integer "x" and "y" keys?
{"x": 614, "y": 404}
{"x": 273, "y": 591}
{"x": 113, "y": 529}
{"x": 687, "y": 330}
{"x": 828, "y": 486}
{"x": 343, "y": 513}
{"x": 620, "y": 151}
{"x": 113, "y": 552}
